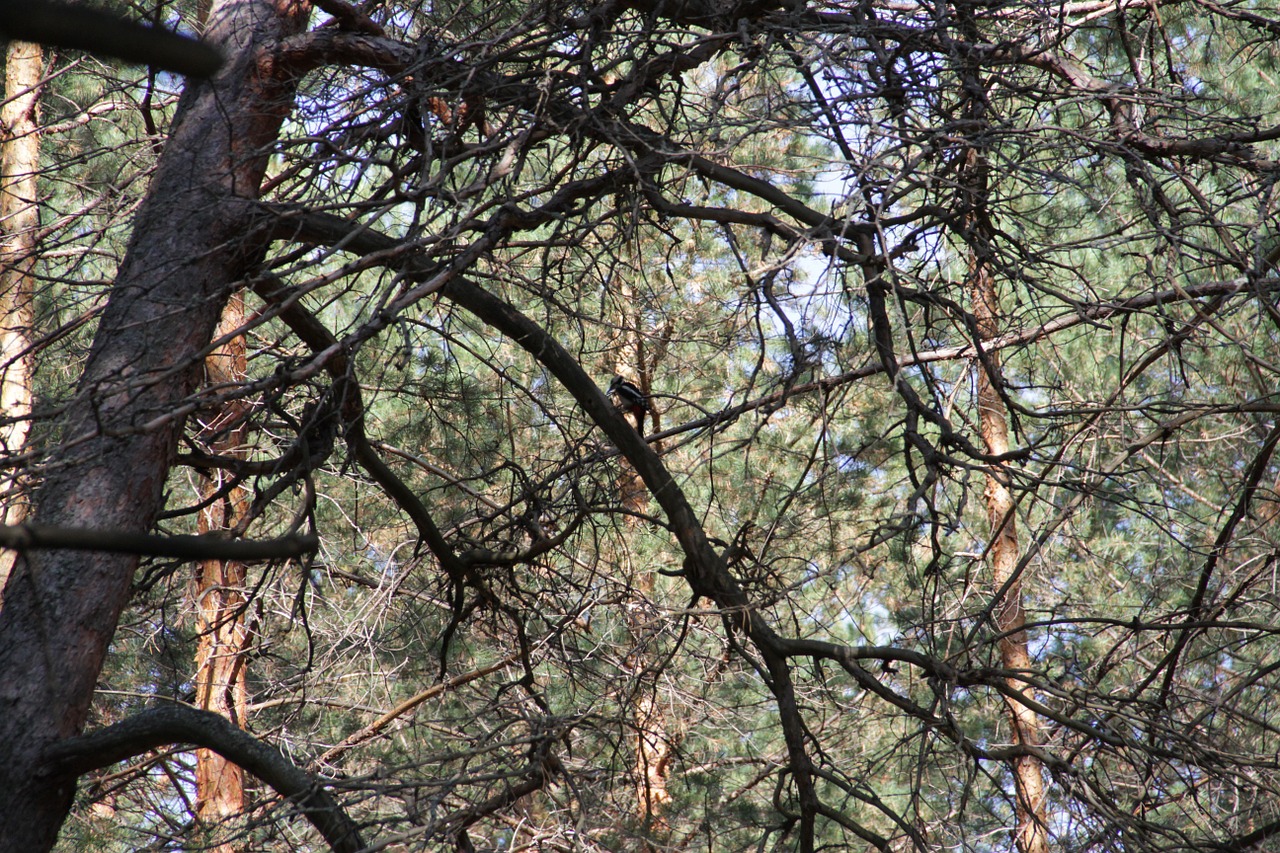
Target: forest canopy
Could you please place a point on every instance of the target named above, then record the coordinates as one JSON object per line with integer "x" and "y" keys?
{"x": 642, "y": 425}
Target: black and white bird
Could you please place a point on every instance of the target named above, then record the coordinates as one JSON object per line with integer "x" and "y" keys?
{"x": 630, "y": 399}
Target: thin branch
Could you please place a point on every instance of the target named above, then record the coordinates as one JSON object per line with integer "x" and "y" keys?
{"x": 372, "y": 730}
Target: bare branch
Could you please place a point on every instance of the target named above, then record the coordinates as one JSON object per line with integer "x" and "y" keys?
{"x": 170, "y": 724}
{"x": 66, "y": 25}
{"x": 32, "y": 537}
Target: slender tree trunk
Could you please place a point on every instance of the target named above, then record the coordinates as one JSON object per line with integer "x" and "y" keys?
{"x": 189, "y": 243}
{"x": 219, "y": 599}
{"x": 1031, "y": 831}
{"x": 652, "y": 744}
{"x": 979, "y": 234}
{"x": 19, "y": 219}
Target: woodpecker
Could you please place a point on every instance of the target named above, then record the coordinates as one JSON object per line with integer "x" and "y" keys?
{"x": 631, "y": 399}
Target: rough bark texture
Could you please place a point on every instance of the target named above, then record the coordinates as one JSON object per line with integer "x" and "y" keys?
{"x": 19, "y": 219}
{"x": 652, "y": 743}
{"x": 219, "y": 599}
{"x": 1030, "y": 834}
{"x": 979, "y": 233}
{"x": 61, "y": 608}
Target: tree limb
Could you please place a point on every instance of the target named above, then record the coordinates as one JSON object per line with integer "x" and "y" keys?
{"x": 173, "y": 724}
{"x": 405, "y": 707}
{"x": 65, "y": 25}
{"x": 30, "y": 537}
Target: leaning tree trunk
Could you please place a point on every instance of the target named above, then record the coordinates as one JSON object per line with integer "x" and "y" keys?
{"x": 1031, "y": 832}
{"x": 19, "y": 219}
{"x": 188, "y": 246}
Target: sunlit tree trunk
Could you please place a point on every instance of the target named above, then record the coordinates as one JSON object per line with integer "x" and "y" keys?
{"x": 1004, "y": 550}
{"x": 19, "y": 220}
{"x": 219, "y": 598}
{"x": 979, "y": 235}
{"x": 652, "y": 744}
{"x": 1030, "y": 833}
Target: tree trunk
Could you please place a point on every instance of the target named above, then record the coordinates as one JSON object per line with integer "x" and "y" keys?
{"x": 1030, "y": 833}
{"x": 188, "y": 244}
{"x": 979, "y": 234}
{"x": 19, "y": 219}
{"x": 652, "y": 743}
{"x": 219, "y": 600}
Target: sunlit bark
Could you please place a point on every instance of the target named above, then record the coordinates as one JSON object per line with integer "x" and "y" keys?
{"x": 652, "y": 743}
{"x": 1003, "y": 552}
{"x": 1030, "y": 833}
{"x": 19, "y": 219}
{"x": 219, "y": 598}
{"x": 979, "y": 236}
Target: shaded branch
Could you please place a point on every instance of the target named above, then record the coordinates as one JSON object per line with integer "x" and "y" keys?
{"x": 1119, "y": 102}
{"x": 317, "y": 336}
{"x": 30, "y": 537}
{"x": 704, "y": 568}
{"x": 181, "y": 724}
{"x": 372, "y": 730}
{"x": 65, "y": 25}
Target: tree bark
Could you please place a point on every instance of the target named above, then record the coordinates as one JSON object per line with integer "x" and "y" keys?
{"x": 1031, "y": 829}
{"x": 219, "y": 599}
{"x": 652, "y": 743}
{"x": 1030, "y": 834}
{"x": 979, "y": 233}
{"x": 19, "y": 219}
{"x": 188, "y": 244}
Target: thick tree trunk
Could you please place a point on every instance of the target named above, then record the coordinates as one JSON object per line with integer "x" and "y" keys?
{"x": 188, "y": 245}
{"x": 19, "y": 219}
{"x": 219, "y": 599}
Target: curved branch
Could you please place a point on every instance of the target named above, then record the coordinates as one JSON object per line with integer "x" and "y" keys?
{"x": 1118, "y": 99}
{"x": 311, "y": 50}
{"x": 315, "y": 335}
{"x": 174, "y": 724}
{"x": 704, "y": 568}
{"x": 406, "y": 707}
